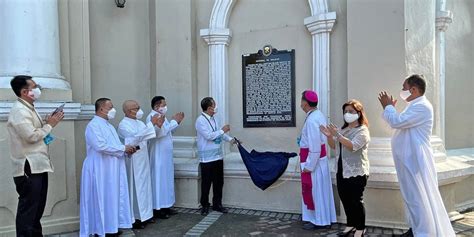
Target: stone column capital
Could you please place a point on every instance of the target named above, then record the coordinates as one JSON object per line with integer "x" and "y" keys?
{"x": 216, "y": 36}
{"x": 321, "y": 23}
{"x": 443, "y": 19}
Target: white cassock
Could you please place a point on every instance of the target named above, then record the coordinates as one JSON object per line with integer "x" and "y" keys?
{"x": 324, "y": 212}
{"x": 161, "y": 161}
{"x": 104, "y": 202}
{"x": 414, "y": 162}
{"x": 138, "y": 169}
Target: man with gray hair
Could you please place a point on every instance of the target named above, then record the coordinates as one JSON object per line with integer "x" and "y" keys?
{"x": 138, "y": 166}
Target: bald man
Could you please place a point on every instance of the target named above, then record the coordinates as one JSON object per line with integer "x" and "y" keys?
{"x": 138, "y": 167}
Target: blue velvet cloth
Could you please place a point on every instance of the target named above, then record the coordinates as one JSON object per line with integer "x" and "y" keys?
{"x": 265, "y": 168}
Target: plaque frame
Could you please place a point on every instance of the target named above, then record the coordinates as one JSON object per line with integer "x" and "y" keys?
{"x": 251, "y": 59}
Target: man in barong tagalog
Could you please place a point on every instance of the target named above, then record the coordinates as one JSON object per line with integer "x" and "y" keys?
{"x": 414, "y": 160}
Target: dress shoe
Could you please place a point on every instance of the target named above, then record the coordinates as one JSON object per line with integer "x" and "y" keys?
{"x": 138, "y": 225}
{"x": 220, "y": 208}
{"x": 347, "y": 233}
{"x": 170, "y": 211}
{"x": 204, "y": 211}
{"x": 151, "y": 221}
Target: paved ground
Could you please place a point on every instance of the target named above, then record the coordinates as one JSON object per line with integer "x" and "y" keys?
{"x": 240, "y": 222}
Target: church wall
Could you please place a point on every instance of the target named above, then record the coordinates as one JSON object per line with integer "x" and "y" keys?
{"x": 460, "y": 75}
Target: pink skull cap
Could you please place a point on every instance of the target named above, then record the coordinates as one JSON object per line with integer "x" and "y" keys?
{"x": 311, "y": 96}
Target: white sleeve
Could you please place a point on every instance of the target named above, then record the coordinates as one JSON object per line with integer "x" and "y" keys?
{"x": 205, "y": 130}
{"x": 412, "y": 117}
{"x": 96, "y": 139}
{"x": 167, "y": 128}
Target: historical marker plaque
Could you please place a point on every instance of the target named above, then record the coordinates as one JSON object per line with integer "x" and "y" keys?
{"x": 268, "y": 81}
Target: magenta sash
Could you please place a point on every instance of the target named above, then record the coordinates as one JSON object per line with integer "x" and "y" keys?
{"x": 306, "y": 182}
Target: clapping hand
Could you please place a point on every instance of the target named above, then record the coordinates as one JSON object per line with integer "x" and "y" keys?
{"x": 55, "y": 118}
{"x": 178, "y": 117}
{"x": 386, "y": 99}
{"x": 158, "y": 120}
{"x": 325, "y": 130}
{"x": 333, "y": 129}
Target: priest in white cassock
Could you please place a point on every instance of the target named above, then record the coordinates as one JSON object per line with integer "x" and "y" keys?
{"x": 414, "y": 160}
{"x": 136, "y": 133}
{"x": 161, "y": 158}
{"x": 104, "y": 200}
{"x": 318, "y": 201}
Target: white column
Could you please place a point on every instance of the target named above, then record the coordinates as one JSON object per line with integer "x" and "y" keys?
{"x": 443, "y": 19}
{"x": 320, "y": 26}
{"x": 218, "y": 40}
{"x": 29, "y": 42}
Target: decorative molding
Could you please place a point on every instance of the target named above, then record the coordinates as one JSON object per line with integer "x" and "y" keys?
{"x": 184, "y": 147}
{"x": 216, "y": 36}
{"x": 72, "y": 111}
{"x": 443, "y": 19}
{"x": 57, "y": 82}
{"x": 322, "y": 23}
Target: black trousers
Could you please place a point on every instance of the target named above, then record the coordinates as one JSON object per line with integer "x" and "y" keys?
{"x": 32, "y": 190}
{"x": 351, "y": 192}
{"x": 212, "y": 173}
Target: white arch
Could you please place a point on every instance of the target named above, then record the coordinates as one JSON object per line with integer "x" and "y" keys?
{"x": 218, "y": 37}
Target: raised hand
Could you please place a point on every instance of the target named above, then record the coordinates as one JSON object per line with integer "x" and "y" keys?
{"x": 325, "y": 130}
{"x": 226, "y": 128}
{"x": 158, "y": 120}
{"x": 55, "y": 118}
{"x": 385, "y": 99}
{"x": 333, "y": 129}
{"x": 178, "y": 117}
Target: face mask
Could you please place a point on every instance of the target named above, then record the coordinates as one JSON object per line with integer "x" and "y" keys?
{"x": 111, "y": 114}
{"x": 215, "y": 110}
{"x": 405, "y": 94}
{"x": 35, "y": 94}
{"x": 139, "y": 114}
{"x": 349, "y": 118}
{"x": 163, "y": 110}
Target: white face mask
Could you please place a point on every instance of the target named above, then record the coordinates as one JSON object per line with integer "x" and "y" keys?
{"x": 35, "y": 94}
{"x": 163, "y": 110}
{"x": 139, "y": 114}
{"x": 349, "y": 118}
{"x": 215, "y": 110}
{"x": 405, "y": 94}
{"x": 111, "y": 114}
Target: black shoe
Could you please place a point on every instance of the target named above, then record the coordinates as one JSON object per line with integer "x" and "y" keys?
{"x": 160, "y": 214}
{"x": 138, "y": 225}
{"x": 170, "y": 211}
{"x": 220, "y": 208}
{"x": 204, "y": 211}
{"x": 150, "y": 221}
{"x": 346, "y": 234}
